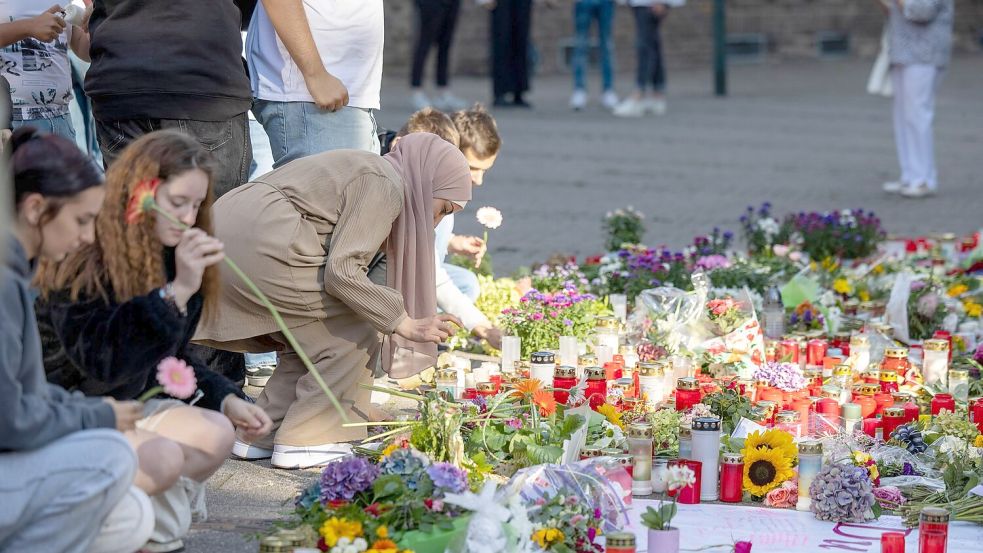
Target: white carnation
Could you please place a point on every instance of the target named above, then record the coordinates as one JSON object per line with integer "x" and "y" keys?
{"x": 490, "y": 217}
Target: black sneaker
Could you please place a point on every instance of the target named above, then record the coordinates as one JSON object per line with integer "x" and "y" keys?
{"x": 258, "y": 376}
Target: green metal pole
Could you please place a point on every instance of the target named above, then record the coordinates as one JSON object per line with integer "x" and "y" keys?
{"x": 719, "y": 47}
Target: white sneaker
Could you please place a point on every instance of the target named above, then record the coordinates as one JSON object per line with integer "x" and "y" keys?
{"x": 420, "y": 100}
{"x": 893, "y": 186}
{"x": 610, "y": 99}
{"x": 655, "y": 106}
{"x": 917, "y": 191}
{"x": 301, "y": 457}
{"x": 578, "y": 100}
{"x": 249, "y": 452}
{"x": 630, "y": 108}
{"x": 448, "y": 102}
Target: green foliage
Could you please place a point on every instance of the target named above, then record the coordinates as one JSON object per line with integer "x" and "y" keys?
{"x": 730, "y": 406}
{"x": 661, "y": 518}
{"x": 623, "y": 226}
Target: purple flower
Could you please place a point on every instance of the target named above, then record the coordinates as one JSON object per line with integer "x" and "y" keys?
{"x": 787, "y": 377}
{"x": 537, "y": 316}
{"x": 342, "y": 480}
{"x": 448, "y": 478}
{"x": 927, "y": 304}
{"x": 567, "y": 322}
{"x": 514, "y": 423}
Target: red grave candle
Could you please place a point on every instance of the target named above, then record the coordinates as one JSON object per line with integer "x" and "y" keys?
{"x": 732, "y": 478}
{"x": 564, "y": 378}
{"x": 892, "y": 542}
{"x": 690, "y": 495}
{"x": 892, "y": 418}
{"x": 933, "y": 530}
{"x": 597, "y": 386}
{"x": 687, "y": 393}
{"x": 977, "y": 412}
{"x": 943, "y": 401}
{"x": 884, "y": 400}
{"x": 871, "y": 426}
{"x": 815, "y": 352}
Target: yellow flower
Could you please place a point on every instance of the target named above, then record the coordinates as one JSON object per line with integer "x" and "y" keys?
{"x": 383, "y": 546}
{"x": 873, "y": 472}
{"x": 957, "y": 290}
{"x": 978, "y": 442}
{"x": 611, "y": 413}
{"x": 864, "y": 295}
{"x": 830, "y": 264}
{"x": 878, "y": 269}
{"x": 973, "y": 309}
{"x": 547, "y": 537}
{"x": 382, "y": 532}
{"x": 765, "y": 469}
{"x": 842, "y": 286}
{"x": 860, "y": 458}
{"x": 336, "y": 528}
{"x": 389, "y": 449}
{"x": 773, "y": 439}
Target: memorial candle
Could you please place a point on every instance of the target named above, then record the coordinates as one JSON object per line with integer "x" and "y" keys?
{"x": 541, "y": 367}
{"x": 943, "y": 401}
{"x": 810, "y": 463}
{"x": 564, "y": 378}
{"x": 640, "y": 449}
{"x": 706, "y": 450}
{"x": 687, "y": 393}
{"x": 935, "y": 362}
{"x": 933, "y": 530}
{"x": 732, "y": 478}
{"x": 597, "y": 386}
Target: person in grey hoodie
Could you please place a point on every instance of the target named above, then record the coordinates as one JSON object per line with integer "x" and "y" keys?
{"x": 919, "y": 46}
{"x": 65, "y": 465}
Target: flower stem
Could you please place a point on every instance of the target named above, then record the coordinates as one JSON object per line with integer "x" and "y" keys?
{"x": 276, "y": 317}
{"x": 150, "y": 393}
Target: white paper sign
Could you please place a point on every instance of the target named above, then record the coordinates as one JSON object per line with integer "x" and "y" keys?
{"x": 978, "y": 490}
{"x": 701, "y": 527}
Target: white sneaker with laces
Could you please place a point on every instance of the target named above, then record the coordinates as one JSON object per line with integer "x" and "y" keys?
{"x": 610, "y": 99}
{"x": 630, "y": 108}
{"x": 917, "y": 191}
{"x": 249, "y": 452}
{"x": 893, "y": 186}
{"x": 578, "y": 100}
{"x": 302, "y": 457}
{"x": 420, "y": 100}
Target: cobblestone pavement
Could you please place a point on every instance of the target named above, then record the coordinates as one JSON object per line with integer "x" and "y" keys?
{"x": 803, "y": 136}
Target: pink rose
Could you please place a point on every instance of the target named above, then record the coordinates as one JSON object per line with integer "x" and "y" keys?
{"x": 889, "y": 497}
{"x": 784, "y": 496}
{"x": 780, "y": 250}
{"x": 742, "y": 547}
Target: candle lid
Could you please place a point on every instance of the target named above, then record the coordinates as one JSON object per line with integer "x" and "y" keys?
{"x": 631, "y": 402}
{"x": 565, "y": 371}
{"x": 812, "y": 373}
{"x": 810, "y": 447}
{"x": 606, "y": 322}
{"x": 274, "y": 544}
{"x": 685, "y": 432}
{"x": 959, "y": 374}
{"x": 543, "y": 358}
{"x": 763, "y": 383}
{"x": 787, "y": 416}
{"x": 859, "y": 340}
{"x": 710, "y": 424}
{"x": 590, "y": 452}
{"x": 733, "y": 458}
{"x": 901, "y": 397}
{"x": 758, "y": 414}
{"x": 934, "y": 514}
{"x": 587, "y": 360}
{"x": 649, "y": 369}
{"x": 889, "y": 376}
{"x": 595, "y": 373}
{"x": 894, "y": 412}
{"x": 620, "y": 539}
{"x": 640, "y": 430}
{"x": 447, "y": 374}
{"x": 942, "y": 397}
{"x": 901, "y": 353}
{"x": 687, "y": 383}
{"x": 851, "y": 411}
{"x": 874, "y": 373}
{"x": 870, "y": 389}
{"x": 935, "y": 344}
{"x": 833, "y": 391}
{"x": 843, "y": 370}
{"x": 485, "y": 386}
{"x": 622, "y": 458}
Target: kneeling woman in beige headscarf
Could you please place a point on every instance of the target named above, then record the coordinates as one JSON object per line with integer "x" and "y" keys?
{"x": 342, "y": 243}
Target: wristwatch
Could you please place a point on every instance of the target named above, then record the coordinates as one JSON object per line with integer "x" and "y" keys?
{"x": 167, "y": 294}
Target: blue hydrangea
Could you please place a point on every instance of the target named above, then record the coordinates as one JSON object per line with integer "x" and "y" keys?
{"x": 408, "y": 463}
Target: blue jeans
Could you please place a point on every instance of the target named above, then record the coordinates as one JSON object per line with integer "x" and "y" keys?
{"x": 584, "y": 12}
{"x": 62, "y": 126}
{"x": 300, "y": 129}
{"x": 465, "y": 280}
{"x": 81, "y": 110}
{"x": 254, "y": 360}
{"x": 651, "y": 72}
{"x": 262, "y": 154}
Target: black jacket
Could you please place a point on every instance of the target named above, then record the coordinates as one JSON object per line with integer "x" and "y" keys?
{"x": 113, "y": 349}
{"x": 180, "y": 59}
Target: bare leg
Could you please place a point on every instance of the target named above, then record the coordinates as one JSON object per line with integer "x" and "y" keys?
{"x": 205, "y": 438}
{"x": 161, "y": 461}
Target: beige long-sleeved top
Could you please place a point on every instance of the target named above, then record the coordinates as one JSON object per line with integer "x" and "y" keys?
{"x": 306, "y": 233}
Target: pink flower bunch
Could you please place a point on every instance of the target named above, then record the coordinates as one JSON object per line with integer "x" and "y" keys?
{"x": 721, "y": 306}
{"x": 889, "y": 497}
{"x": 784, "y": 496}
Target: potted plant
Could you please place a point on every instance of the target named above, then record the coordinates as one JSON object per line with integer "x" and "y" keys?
{"x": 662, "y": 537}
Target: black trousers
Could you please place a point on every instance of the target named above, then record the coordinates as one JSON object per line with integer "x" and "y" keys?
{"x": 436, "y": 23}
{"x": 511, "y": 21}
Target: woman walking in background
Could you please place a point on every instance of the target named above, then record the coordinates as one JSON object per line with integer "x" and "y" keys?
{"x": 650, "y": 73}
{"x": 584, "y": 13}
{"x": 435, "y": 25}
{"x": 511, "y": 22}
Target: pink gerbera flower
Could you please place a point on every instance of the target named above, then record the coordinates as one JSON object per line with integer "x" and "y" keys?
{"x": 177, "y": 378}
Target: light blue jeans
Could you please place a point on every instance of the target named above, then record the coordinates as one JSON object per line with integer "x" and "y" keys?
{"x": 62, "y": 126}
{"x": 300, "y": 129}
{"x": 584, "y": 12}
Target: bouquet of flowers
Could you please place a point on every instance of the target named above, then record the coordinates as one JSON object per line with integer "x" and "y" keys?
{"x": 847, "y": 234}
{"x": 926, "y": 310}
{"x": 768, "y": 461}
{"x": 762, "y": 231}
{"x": 787, "y": 377}
{"x": 726, "y": 314}
{"x": 540, "y": 318}
{"x": 557, "y": 277}
{"x": 806, "y": 317}
{"x": 623, "y": 226}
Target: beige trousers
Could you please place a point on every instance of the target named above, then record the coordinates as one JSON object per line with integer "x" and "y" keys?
{"x": 341, "y": 348}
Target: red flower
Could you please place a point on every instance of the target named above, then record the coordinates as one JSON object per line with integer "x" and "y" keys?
{"x": 374, "y": 509}
{"x": 429, "y": 503}
{"x": 337, "y": 503}
{"x": 141, "y": 200}
{"x": 321, "y": 545}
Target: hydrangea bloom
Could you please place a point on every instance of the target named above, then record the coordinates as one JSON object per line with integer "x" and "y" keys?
{"x": 342, "y": 480}
{"x": 787, "y": 377}
{"x": 448, "y": 478}
{"x": 407, "y": 463}
{"x": 842, "y": 493}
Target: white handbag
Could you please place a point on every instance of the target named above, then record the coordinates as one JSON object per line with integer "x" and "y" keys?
{"x": 879, "y": 83}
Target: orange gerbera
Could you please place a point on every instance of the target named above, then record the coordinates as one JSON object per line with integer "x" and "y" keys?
{"x": 545, "y": 401}
{"x": 528, "y": 386}
{"x": 143, "y": 197}
{"x": 383, "y": 546}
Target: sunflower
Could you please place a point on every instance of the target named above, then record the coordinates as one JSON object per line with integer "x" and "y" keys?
{"x": 765, "y": 469}
{"x": 545, "y": 401}
{"x": 773, "y": 439}
{"x": 528, "y": 386}
{"x": 611, "y": 413}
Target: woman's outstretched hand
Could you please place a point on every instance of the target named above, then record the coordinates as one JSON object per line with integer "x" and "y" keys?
{"x": 430, "y": 329}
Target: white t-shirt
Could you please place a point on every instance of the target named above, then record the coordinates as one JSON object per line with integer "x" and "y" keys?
{"x": 40, "y": 74}
{"x": 349, "y": 36}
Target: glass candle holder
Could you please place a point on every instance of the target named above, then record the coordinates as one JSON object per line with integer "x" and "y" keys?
{"x": 687, "y": 393}
{"x": 872, "y": 427}
{"x": 891, "y": 418}
{"x": 959, "y": 384}
{"x": 788, "y": 421}
{"x": 620, "y": 542}
{"x": 541, "y": 367}
{"x": 906, "y": 401}
{"x": 689, "y": 495}
{"x": 843, "y": 376}
{"x": 852, "y": 415}
{"x": 933, "y": 530}
{"x": 446, "y": 383}
{"x": 651, "y": 383}
{"x": 860, "y": 352}
{"x": 511, "y": 353}
{"x": 564, "y": 378}
{"x": 895, "y": 360}
{"x": 892, "y": 542}
{"x": 685, "y": 442}
{"x": 584, "y": 361}
{"x": 935, "y": 362}
{"x": 625, "y": 460}
{"x": 802, "y": 406}
{"x": 485, "y": 389}
{"x": 589, "y": 452}
{"x": 640, "y": 449}
{"x": 889, "y": 382}
{"x": 569, "y": 350}
{"x": 816, "y": 352}
{"x": 884, "y": 400}
{"x": 597, "y": 386}
{"x": 788, "y": 351}
{"x": 732, "y": 478}
{"x": 943, "y": 401}
{"x": 810, "y": 463}
{"x": 706, "y": 450}
{"x": 660, "y": 467}
{"x": 828, "y": 411}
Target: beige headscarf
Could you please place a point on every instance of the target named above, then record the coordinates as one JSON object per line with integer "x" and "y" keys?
{"x": 430, "y": 168}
